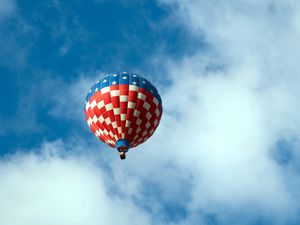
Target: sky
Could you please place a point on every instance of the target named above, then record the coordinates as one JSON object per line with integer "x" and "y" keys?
{"x": 226, "y": 150}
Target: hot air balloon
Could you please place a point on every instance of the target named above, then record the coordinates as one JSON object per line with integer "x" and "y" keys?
{"x": 123, "y": 110}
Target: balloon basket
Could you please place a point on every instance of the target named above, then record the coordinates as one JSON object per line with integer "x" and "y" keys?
{"x": 122, "y": 155}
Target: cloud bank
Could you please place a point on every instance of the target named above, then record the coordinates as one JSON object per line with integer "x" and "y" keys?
{"x": 49, "y": 189}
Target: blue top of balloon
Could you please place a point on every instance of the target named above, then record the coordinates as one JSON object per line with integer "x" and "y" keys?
{"x": 123, "y": 78}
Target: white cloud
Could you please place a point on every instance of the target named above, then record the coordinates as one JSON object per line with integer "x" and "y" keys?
{"x": 228, "y": 121}
{"x": 49, "y": 189}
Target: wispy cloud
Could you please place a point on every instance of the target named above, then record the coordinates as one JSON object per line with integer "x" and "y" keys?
{"x": 70, "y": 95}
{"x": 7, "y": 8}
{"x": 16, "y": 37}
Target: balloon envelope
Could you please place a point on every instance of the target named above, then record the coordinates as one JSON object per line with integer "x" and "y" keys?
{"x": 123, "y": 110}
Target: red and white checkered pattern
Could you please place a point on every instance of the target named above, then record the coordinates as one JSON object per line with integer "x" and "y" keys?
{"x": 123, "y": 112}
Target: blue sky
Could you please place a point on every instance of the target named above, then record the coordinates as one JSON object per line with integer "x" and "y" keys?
{"x": 227, "y": 148}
